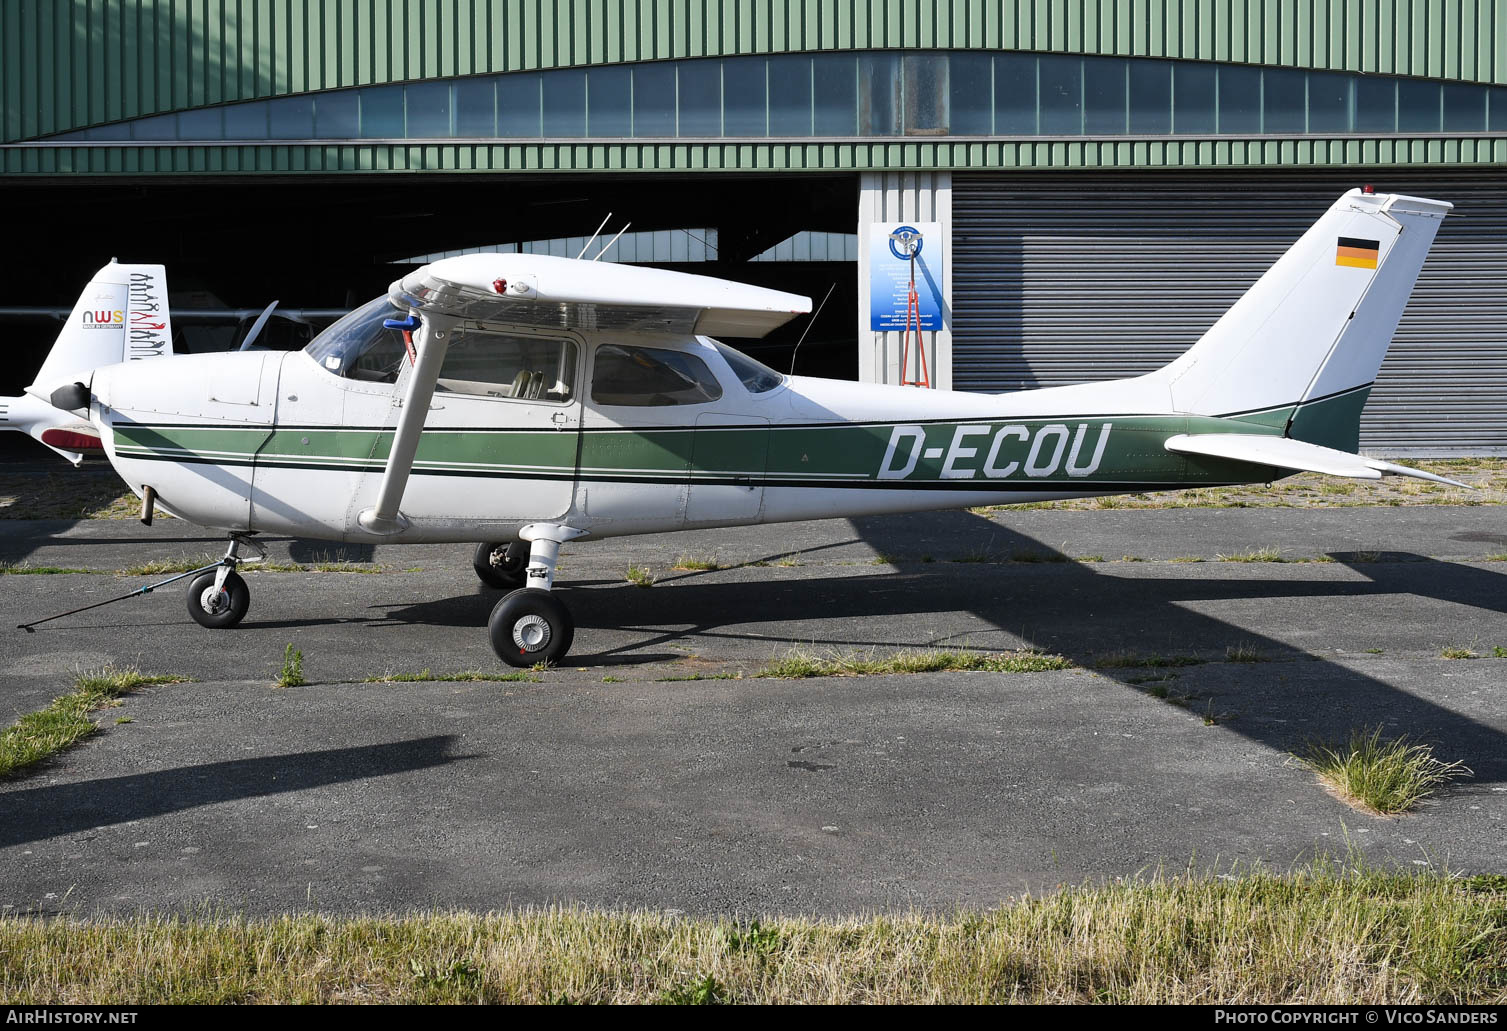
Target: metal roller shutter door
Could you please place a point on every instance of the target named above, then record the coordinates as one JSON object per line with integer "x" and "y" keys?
{"x": 1068, "y": 278}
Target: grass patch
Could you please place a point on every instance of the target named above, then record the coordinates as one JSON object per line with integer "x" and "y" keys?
{"x": 1243, "y": 653}
{"x": 168, "y": 566}
{"x": 1456, "y": 652}
{"x": 1385, "y": 776}
{"x": 1038, "y": 556}
{"x": 291, "y": 675}
{"x": 66, "y": 721}
{"x": 27, "y": 569}
{"x": 696, "y": 563}
{"x": 1255, "y": 555}
{"x": 173, "y": 566}
{"x": 699, "y": 676}
{"x": 463, "y": 676}
{"x": 1134, "y": 660}
{"x": 1152, "y": 678}
{"x": 1327, "y": 936}
{"x": 638, "y": 576}
{"x": 800, "y": 662}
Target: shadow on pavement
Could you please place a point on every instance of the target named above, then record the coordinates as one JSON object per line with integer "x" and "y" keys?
{"x": 1071, "y": 609}
{"x": 32, "y": 814}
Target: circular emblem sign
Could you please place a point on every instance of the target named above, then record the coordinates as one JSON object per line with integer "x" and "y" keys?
{"x": 904, "y": 242}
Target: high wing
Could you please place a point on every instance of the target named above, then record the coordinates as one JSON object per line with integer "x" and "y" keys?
{"x": 559, "y": 293}
{"x": 1286, "y": 453}
{"x": 563, "y": 293}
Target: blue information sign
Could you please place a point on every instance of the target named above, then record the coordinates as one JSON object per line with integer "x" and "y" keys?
{"x": 890, "y": 247}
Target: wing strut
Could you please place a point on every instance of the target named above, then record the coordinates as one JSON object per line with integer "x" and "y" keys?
{"x": 432, "y": 339}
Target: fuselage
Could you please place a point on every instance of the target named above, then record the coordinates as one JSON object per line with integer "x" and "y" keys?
{"x": 296, "y": 443}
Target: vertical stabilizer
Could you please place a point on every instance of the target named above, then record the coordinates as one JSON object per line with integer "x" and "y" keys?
{"x": 1317, "y": 325}
{"x": 122, "y": 315}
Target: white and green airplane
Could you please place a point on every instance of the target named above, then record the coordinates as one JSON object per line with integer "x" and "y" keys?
{"x": 523, "y": 401}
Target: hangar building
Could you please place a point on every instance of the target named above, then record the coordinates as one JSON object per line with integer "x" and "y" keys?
{"x": 1107, "y": 175}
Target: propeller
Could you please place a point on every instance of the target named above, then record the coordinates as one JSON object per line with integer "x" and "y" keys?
{"x": 256, "y": 327}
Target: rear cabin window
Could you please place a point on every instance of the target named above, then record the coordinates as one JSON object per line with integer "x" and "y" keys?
{"x": 651, "y": 377}
{"x": 490, "y": 363}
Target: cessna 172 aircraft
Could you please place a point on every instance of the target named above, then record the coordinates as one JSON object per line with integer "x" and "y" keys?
{"x": 524, "y": 401}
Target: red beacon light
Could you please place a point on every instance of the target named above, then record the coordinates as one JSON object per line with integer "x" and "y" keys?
{"x": 500, "y": 285}
{"x": 1368, "y": 190}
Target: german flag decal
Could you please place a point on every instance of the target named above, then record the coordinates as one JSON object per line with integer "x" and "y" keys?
{"x": 1357, "y": 253}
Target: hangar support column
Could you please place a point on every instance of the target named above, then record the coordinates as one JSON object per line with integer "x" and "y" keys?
{"x": 903, "y": 197}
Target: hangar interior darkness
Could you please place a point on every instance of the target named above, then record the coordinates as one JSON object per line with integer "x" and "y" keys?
{"x": 332, "y": 243}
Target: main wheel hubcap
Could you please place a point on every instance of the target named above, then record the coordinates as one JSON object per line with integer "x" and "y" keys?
{"x": 531, "y": 633}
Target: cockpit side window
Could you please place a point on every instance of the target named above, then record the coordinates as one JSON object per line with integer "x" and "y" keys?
{"x": 651, "y": 377}
{"x": 358, "y": 347}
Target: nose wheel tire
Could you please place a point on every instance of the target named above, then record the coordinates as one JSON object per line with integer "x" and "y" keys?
{"x": 218, "y": 609}
{"x": 503, "y": 565}
{"x": 529, "y": 626}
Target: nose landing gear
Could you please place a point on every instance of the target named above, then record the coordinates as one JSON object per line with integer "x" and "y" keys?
{"x": 531, "y": 625}
{"x": 217, "y": 607}
{"x": 219, "y": 599}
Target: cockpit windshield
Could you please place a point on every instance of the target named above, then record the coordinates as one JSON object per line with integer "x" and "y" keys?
{"x": 358, "y": 347}
{"x": 756, "y": 377}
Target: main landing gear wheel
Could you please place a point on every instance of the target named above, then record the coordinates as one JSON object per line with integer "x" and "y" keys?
{"x": 503, "y": 566}
{"x": 529, "y": 626}
{"x": 218, "y": 609}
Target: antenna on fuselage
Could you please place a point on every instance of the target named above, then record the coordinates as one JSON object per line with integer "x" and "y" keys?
{"x": 612, "y": 241}
{"x": 802, "y": 340}
{"x": 587, "y": 245}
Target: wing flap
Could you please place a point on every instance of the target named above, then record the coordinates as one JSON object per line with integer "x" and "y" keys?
{"x": 1298, "y": 455}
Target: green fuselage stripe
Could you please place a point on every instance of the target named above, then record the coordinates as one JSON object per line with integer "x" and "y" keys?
{"x": 1078, "y": 453}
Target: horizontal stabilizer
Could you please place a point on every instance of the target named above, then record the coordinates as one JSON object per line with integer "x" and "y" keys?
{"x": 61, "y": 431}
{"x": 1286, "y": 453}
{"x": 563, "y": 293}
